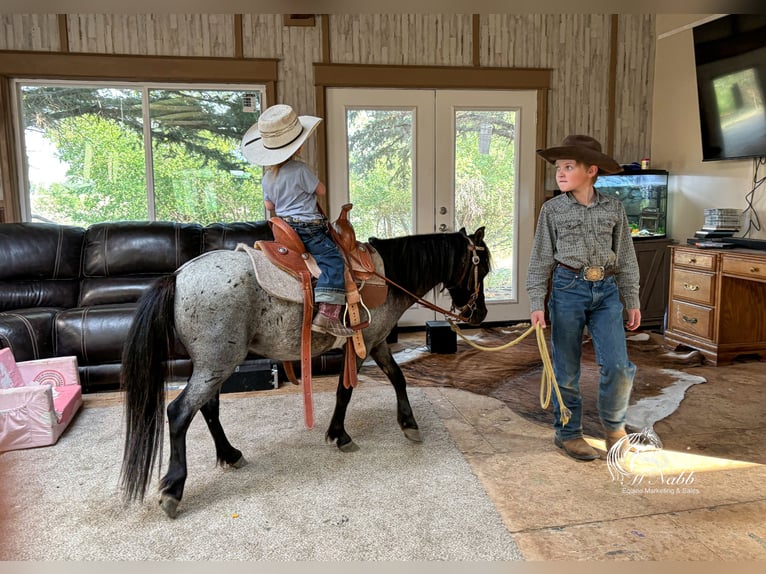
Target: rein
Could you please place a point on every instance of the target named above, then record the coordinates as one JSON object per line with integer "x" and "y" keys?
{"x": 548, "y": 382}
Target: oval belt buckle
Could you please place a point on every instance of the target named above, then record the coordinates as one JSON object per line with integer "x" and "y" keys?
{"x": 593, "y": 273}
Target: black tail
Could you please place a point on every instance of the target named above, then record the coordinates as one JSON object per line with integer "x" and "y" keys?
{"x": 143, "y": 379}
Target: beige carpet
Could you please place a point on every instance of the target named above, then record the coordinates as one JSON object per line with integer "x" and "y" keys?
{"x": 299, "y": 498}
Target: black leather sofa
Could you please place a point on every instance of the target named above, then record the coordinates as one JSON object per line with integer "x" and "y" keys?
{"x": 68, "y": 290}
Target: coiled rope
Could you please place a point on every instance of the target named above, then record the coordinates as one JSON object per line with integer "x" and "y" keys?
{"x": 548, "y": 382}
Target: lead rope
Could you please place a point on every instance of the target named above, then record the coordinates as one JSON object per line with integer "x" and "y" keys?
{"x": 548, "y": 380}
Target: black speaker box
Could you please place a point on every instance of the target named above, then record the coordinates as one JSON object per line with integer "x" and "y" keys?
{"x": 254, "y": 375}
{"x": 440, "y": 338}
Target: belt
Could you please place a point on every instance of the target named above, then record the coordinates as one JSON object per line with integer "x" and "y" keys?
{"x": 289, "y": 219}
{"x": 591, "y": 272}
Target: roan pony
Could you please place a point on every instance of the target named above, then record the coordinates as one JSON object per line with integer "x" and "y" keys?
{"x": 216, "y": 308}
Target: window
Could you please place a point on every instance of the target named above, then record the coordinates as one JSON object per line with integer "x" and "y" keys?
{"x": 117, "y": 151}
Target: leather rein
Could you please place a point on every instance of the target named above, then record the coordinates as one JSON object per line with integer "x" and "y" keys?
{"x": 458, "y": 314}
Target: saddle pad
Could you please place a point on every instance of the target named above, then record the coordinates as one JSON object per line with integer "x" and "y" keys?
{"x": 272, "y": 279}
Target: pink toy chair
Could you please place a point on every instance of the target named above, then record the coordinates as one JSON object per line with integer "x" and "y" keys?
{"x": 38, "y": 400}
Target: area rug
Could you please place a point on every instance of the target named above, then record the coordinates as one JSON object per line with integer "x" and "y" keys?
{"x": 513, "y": 375}
{"x": 298, "y": 499}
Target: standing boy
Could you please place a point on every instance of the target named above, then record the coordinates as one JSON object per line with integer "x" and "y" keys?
{"x": 583, "y": 245}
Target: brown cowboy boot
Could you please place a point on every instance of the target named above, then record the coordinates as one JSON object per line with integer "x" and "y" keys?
{"x": 577, "y": 448}
{"x": 612, "y": 437}
{"x": 328, "y": 321}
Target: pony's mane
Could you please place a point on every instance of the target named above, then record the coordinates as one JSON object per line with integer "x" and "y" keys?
{"x": 421, "y": 262}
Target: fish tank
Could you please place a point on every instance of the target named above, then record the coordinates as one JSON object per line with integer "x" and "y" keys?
{"x": 644, "y": 193}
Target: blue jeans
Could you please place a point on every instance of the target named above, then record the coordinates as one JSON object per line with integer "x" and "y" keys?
{"x": 573, "y": 304}
{"x": 331, "y": 286}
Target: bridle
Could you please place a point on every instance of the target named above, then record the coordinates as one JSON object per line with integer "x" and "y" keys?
{"x": 458, "y": 314}
{"x": 470, "y": 306}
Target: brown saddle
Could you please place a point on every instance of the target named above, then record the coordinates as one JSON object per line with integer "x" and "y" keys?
{"x": 363, "y": 288}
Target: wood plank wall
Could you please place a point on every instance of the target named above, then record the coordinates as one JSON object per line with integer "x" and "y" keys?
{"x": 575, "y": 46}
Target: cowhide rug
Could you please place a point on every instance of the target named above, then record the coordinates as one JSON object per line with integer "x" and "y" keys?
{"x": 513, "y": 375}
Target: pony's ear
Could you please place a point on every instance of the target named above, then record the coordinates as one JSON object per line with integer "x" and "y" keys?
{"x": 463, "y": 231}
{"x": 479, "y": 235}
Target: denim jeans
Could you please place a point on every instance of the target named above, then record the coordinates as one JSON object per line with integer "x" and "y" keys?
{"x": 331, "y": 286}
{"x": 573, "y": 304}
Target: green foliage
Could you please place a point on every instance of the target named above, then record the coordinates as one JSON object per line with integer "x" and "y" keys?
{"x": 198, "y": 172}
{"x": 105, "y": 181}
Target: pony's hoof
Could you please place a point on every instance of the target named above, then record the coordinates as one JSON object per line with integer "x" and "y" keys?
{"x": 239, "y": 463}
{"x": 413, "y": 434}
{"x": 350, "y": 446}
{"x": 169, "y": 505}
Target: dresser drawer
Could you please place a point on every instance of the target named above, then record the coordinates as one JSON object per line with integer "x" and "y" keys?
{"x": 691, "y": 319}
{"x": 694, "y": 258}
{"x": 744, "y": 267}
{"x": 693, "y": 285}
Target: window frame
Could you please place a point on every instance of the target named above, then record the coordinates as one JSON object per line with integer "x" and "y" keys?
{"x": 25, "y": 65}
{"x": 23, "y": 195}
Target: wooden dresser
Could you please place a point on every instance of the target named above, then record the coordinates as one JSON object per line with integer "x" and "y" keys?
{"x": 718, "y": 302}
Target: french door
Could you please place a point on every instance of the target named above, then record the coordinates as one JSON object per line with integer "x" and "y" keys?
{"x": 425, "y": 161}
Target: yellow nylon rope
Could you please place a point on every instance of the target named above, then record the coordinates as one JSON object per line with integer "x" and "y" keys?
{"x": 548, "y": 381}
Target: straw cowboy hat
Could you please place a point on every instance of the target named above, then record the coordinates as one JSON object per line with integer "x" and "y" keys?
{"x": 584, "y": 149}
{"x": 278, "y": 134}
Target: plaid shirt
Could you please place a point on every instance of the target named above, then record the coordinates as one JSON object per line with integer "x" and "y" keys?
{"x": 578, "y": 235}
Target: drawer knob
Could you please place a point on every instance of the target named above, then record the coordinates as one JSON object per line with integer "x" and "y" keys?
{"x": 690, "y": 320}
{"x": 692, "y": 260}
{"x": 754, "y": 270}
{"x": 691, "y": 287}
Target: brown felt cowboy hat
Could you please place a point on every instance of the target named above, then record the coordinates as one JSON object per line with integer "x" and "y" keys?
{"x": 584, "y": 149}
{"x": 277, "y": 135}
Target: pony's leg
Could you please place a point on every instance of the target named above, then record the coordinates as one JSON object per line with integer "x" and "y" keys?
{"x": 225, "y": 453}
{"x": 180, "y": 415}
{"x": 181, "y": 411}
{"x": 381, "y": 354}
{"x": 336, "y": 432}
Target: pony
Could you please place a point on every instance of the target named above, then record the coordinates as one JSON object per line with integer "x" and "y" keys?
{"x": 216, "y": 308}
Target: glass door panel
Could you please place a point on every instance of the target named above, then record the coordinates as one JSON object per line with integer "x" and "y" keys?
{"x": 485, "y": 177}
{"x": 380, "y": 166}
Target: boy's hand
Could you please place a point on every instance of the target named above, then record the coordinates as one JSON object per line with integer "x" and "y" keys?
{"x": 538, "y": 317}
{"x": 634, "y": 319}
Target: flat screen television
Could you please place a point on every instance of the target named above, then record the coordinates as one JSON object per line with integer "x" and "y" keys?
{"x": 730, "y": 59}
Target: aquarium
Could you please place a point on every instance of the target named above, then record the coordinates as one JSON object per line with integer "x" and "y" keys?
{"x": 644, "y": 193}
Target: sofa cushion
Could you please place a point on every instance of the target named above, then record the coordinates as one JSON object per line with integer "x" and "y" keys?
{"x": 40, "y": 251}
{"x": 98, "y": 333}
{"x": 28, "y": 333}
{"x": 139, "y": 247}
{"x": 228, "y": 235}
{"x": 93, "y": 334}
{"x": 110, "y": 290}
{"x": 54, "y": 293}
{"x": 40, "y": 265}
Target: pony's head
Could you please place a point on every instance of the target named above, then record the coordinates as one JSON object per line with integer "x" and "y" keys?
{"x": 468, "y": 293}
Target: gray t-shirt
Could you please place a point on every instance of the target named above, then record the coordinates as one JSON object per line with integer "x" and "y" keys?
{"x": 293, "y": 191}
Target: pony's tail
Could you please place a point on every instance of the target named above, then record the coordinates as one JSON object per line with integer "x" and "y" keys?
{"x": 142, "y": 379}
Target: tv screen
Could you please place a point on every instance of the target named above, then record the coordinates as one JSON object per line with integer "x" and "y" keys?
{"x": 730, "y": 58}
